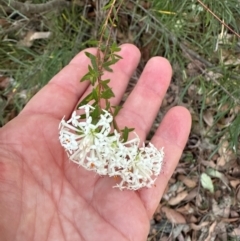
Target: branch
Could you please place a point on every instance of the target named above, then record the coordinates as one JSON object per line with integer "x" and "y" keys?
{"x": 29, "y": 8}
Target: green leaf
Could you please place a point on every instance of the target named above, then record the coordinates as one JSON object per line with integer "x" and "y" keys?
{"x": 96, "y": 113}
{"x": 114, "y": 47}
{"x": 107, "y": 94}
{"x": 86, "y": 100}
{"x": 86, "y": 77}
{"x": 92, "y": 42}
{"x": 106, "y": 67}
{"x": 115, "y": 14}
{"x": 105, "y": 83}
{"x": 93, "y": 59}
{"x": 91, "y": 76}
{"x": 206, "y": 182}
{"x": 117, "y": 56}
{"x": 214, "y": 173}
{"x": 125, "y": 133}
{"x": 95, "y": 93}
{"x": 107, "y": 6}
{"x": 112, "y": 22}
{"x": 116, "y": 110}
{"x": 113, "y": 60}
{"x": 107, "y": 105}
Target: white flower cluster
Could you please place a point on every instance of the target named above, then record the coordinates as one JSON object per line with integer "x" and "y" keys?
{"x": 95, "y": 147}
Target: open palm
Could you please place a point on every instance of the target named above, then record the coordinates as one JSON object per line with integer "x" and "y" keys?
{"x": 44, "y": 196}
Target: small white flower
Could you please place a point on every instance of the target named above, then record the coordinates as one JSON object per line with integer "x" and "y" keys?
{"x": 142, "y": 164}
{"x": 95, "y": 148}
{"x": 74, "y": 119}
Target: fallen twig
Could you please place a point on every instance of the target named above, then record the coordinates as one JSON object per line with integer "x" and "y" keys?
{"x": 30, "y": 8}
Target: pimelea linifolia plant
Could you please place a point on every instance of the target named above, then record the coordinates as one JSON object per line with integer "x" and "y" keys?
{"x": 92, "y": 138}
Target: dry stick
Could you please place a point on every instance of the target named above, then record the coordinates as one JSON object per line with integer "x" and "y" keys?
{"x": 215, "y": 16}
{"x": 30, "y": 8}
{"x": 190, "y": 52}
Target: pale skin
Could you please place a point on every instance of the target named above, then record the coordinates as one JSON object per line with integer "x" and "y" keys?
{"x": 44, "y": 196}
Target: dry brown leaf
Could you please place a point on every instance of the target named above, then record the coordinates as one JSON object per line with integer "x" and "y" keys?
{"x": 230, "y": 220}
{"x": 4, "y": 82}
{"x": 180, "y": 170}
{"x": 238, "y": 193}
{"x": 221, "y": 161}
{"x": 28, "y": 40}
{"x": 3, "y": 22}
{"x": 209, "y": 164}
{"x": 198, "y": 227}
{"x": 235, "y": 170}
{"x": 234, "y": 183}
{"x": 232, "y": 61}
{"x": 211, "y": 100}
{"x": 211, "y": 233}
{"x": 235, "y": 232}
{"x": 192, "y": 219}
{"x": 191, "y": 183}
{"x": 191, "y": 195}
{"x": 186, "y": 210}
{"x": 222, "y": 209}
{"x": 224, "y": 148}
{"x": 165, "y": 238}
{"x": 234, "y": 214}
{"x": 177, "y": 199}
{"x": 173, "y": 216}
{"x": 221, "y": 231}
{"x": 208, "y": 117}
{"x": 210, "y": 75}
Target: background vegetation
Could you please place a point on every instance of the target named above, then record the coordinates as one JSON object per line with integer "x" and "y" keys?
{"x": 39, "y": 37}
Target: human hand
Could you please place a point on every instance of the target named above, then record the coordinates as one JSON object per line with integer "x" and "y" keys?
{"x": 44, "y": 196}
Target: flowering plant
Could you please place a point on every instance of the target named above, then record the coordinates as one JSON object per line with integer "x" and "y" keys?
{"x": 95, "y": 147}
{"x": 93, "y": 139}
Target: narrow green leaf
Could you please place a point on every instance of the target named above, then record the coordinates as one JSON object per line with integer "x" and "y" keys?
{"x": 112, "y": 61}
{"x": 91, "y": 42}
{"x": 118, "y": 56}
{"x": 115, "y": 14}
{"x": 116, "y": 110}
{"x": 107, "y": 94}
{"x": 107, "y": 68}
{"x": 86, "y": 77}
{"x": 125, "y": 133}
{"x": 86, "y": 100}
{"x": 96, "y": 113}
{"x": 112, "y": 22}
{"x": 114, "y": 47}
{"x": 95, "y": 94}
{"x": 93, "y": 59}
{"x": 107, "y": 6}
{"x": 108, "y": 104}
{"x": 105, "y": 83}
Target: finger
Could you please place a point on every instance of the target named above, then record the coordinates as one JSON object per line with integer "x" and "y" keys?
{"x": 142, "y": 106}
{"x": 172, "y": 134}
{"x": 122, "y": 72}
{"x": 61, "y": 94}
